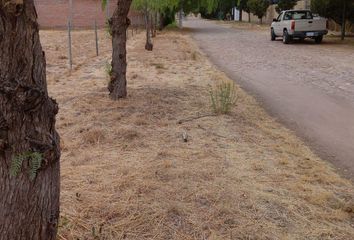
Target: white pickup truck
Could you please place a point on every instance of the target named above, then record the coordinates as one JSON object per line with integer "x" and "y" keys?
{"x": 299, "y": 24}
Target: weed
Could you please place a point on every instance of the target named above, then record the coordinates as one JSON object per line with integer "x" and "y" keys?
{"x": 223, "y": 97}
{"x": 158, "y": 65}
{"x": 194, "y": 56}
{"x": 108, "y": 29}
{"x": 108, "y": 69}
{"x": 172, "y": 26}
{"x": 35, "y": 162}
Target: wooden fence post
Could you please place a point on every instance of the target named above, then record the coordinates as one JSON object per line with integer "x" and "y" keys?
{"x": 69, "y": 45}
{"x": 96, "y": 37}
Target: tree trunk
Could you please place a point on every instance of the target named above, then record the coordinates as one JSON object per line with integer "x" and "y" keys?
{"x": 180, "y": 18}
{"x": 240, "y": 18}
{"x": 155, "y": 23}
{"x": 148, "y": 46}
{"x": 344, "y": 20}
{"x": 119, "y": 24}
{"x": 161, "y": 22}
{"x": 29, "y": 202}
{"x": 249, "y": 17}
{"x": 152, "y": 25}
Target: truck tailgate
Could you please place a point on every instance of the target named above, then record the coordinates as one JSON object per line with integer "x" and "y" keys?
{"x": 308, "y": 25}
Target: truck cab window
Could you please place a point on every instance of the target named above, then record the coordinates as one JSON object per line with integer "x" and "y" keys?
{"x": 280, "y": 17}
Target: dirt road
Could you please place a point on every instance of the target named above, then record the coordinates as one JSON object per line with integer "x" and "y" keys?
{"x": 308, "y": 87}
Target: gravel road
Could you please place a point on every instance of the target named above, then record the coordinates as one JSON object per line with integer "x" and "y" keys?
{"x": 308, "y": 87}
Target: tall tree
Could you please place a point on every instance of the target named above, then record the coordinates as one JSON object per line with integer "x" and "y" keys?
{"x": 243, "y": 6}
{"x": 258, "y": 8}
{"x": 119, "y": 24}
{"x": 340, "y": 11}
{"x": 151, "y": 8}
{"x": 29, "y": 143}
{"x": 285, "y": 5}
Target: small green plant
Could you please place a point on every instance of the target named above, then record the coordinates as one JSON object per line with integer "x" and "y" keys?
{"x": 172, "y": 26}
{"x": 34, "y": 160}
{"x": 223, "y": 97}
{"x": 96, "y": 234}
{"x": 158, "y": 65}
{"x": 108, "y": 29}
{"x": 108, "y": 69}
{"x": 194, "y": 56}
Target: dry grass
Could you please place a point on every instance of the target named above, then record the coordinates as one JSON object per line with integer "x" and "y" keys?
{"x": 127, "y": 174}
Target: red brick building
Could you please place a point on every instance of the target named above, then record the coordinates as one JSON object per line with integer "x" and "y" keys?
{"x": 56, "y": 13}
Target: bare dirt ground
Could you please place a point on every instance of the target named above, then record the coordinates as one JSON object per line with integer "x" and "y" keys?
{"x": 309, "y": 87}
{"x": 127, "y": 174}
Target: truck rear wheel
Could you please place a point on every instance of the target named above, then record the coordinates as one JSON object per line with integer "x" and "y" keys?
{"x": 318, "y": 39}
{"x": 286, "y": 37}
{"x": 272, "y": 35}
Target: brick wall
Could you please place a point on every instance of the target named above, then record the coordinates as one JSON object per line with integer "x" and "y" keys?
{"x": 55, "y": 13}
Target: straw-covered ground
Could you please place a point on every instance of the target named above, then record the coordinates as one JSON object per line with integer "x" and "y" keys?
{"x": 128, "y": 174}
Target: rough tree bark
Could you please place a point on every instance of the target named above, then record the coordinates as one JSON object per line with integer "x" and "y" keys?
{"x": 119, "y": 24}
{"x": 29, "y": 208}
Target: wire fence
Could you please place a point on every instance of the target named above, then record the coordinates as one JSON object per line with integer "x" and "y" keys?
{"x": 81, "y": 14}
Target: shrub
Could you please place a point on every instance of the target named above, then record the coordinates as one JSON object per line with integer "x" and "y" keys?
{"x": 223, "y": 97}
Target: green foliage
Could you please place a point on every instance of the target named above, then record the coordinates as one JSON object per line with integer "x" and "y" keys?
{"x": 108, "y": 29}
{"x": 34, "y": 160}
{"x": 172, "y": 26}
{"x": 35, "y": 164}
{"x": 223, "y": 97}
{"x": 285, "y": 5}
{"x": 243, "y": 4}
{"x": 169, "y": 7}
{"x": 108, "y": 69}
{"x": 154, "y": 5}
{"x": 215, "y": 9}
{"x": 16, "y": 164}
{"x": 168, "y": 17}
{"x": 103, "y": 4}
{"x": 333, "y": 9}
{"x": 258, "y": 7}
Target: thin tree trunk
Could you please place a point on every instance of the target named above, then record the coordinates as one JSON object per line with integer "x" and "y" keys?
{"x": 180, "y": 18}
{"x": 152, "y": 25}
{"x": 29, "y": 204}
{"x": 119, "y": 24}
{"x": 241, "y": 10}
{"x": 161, "y": 21}
{"x": 249, "y": 17}
{"x": 343, "y": 20}
{"x": 155, "y": 23}
{"x": 148, "y": 46}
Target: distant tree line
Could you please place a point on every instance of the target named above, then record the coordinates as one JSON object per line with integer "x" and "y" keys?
{"x": 340, "y": 11}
